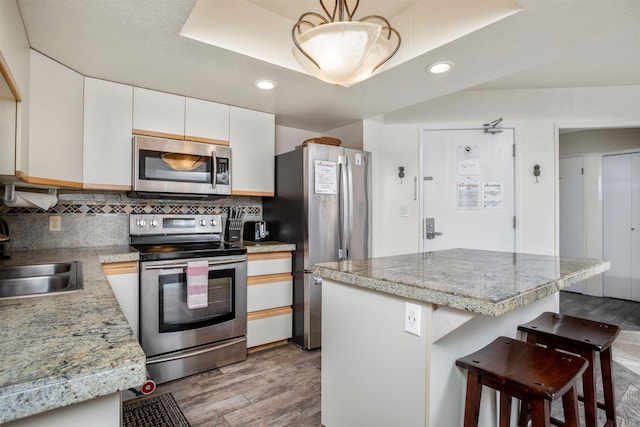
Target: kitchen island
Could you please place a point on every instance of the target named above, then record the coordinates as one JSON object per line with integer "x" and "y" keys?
{"x": 374, "y": 373}
{"x": 66, "y": 357}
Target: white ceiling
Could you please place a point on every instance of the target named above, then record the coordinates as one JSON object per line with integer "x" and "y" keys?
{"x": 549, "y": 43}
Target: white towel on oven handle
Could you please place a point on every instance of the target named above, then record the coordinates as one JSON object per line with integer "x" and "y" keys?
{"x": 197, "y": 284}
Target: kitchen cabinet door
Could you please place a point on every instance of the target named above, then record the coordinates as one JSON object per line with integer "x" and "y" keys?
{"x": 7, "y": 136}
{"x": 269, "y": 299}
{"x": 123, "y": 278}
{"x": 108, "y": 109}
{"x": 206, "y": 122}
{"x": 55, "y": 124}
{"x": 252, "y": 142}
{"x": 158, "y": 114}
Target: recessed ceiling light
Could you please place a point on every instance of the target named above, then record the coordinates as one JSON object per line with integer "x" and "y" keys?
{"x": 265, "y": 84}
{"x": 440, "y": 67}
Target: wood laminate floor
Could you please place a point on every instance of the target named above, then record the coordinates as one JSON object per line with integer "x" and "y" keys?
{"x": 281, "y": 386}
{"x": 274, "y": 387}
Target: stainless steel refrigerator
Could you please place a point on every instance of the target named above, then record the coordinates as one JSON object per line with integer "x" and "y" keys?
{"x": 323, "y": 205}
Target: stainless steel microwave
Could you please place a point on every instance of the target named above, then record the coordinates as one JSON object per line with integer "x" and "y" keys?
{"x": 182, "y": 168}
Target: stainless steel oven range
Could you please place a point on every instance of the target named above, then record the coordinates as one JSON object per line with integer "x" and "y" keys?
{"x": 177, "y": 340}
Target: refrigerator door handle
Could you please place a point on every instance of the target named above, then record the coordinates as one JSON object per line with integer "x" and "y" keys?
{"x": 349, "y": 199}
{"x": 343, "y": 209}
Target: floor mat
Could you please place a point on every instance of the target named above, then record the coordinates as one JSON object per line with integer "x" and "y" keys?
{"x": 156, "y": 411}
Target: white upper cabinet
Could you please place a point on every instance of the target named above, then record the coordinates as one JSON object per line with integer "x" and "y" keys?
{"x": 158, "y": 114}
{"x": 252, "y": 142}
{"x": 177, "y": 117}
{"x": 108, "y": 109}
{"x": 55, "y": 124}
{"x": 14, "y": 46}
{"x": 7, "y": 136}
{"x": 206, "y": 122}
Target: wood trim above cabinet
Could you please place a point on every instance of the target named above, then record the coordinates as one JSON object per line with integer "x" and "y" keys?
{"x": 272, "y": 312}
{"x": 8, "y": 77}
{"x": 269, "y": 278}
{"x": 47, "y": 181}
{"x": 252, "y": 193}
{"x": 206, "y": 140}
{"x": 263, "y": 256}
{"x": 157, "y": 134}
{"x": 89, "y": 186}
{"x": 122, "y": 267}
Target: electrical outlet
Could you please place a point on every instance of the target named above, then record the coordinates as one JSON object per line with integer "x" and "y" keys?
{"x": 55, "y": 223}
{"x": 412, "y": 318}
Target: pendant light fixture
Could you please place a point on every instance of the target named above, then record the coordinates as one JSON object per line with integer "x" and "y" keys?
{"x": 337, "y": 49}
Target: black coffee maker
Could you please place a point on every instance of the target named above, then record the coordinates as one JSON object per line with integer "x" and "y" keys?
{"x": 4, "y": 238}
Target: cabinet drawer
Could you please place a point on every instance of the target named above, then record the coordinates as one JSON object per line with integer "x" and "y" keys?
{"x": 264, "y": 292}
{"x": 267, "y": 326}
{"x": 268, "y": 263}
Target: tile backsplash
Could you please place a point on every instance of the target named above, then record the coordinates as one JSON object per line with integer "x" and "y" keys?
{"x": 102, "y": 218}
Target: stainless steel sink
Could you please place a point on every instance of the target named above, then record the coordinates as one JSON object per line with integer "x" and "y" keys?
{"x": 39, "y": 279}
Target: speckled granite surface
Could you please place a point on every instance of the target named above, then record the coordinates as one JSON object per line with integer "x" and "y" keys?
{"x": 485, "y": 282}
{"x": 58, "y": 350}
{"x": 268, "y": 246}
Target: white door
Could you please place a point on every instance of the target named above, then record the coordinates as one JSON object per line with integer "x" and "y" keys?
{"x": 468, "y": 189}
{"x": 620, "y": 216}
{"x": 571, "y": 211}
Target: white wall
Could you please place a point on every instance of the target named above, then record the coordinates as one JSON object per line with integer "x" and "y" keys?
{"x": 287, "y": 139}
{"x": 535, "y": 114}
{"x": 393, "y": 146}
{"x": 350, "y": 135}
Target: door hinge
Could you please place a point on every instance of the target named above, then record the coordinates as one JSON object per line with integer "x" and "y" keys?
{"x": 514, "y": 221}
{"x": 581, "y": 171}
{"x": 514, "y": 150}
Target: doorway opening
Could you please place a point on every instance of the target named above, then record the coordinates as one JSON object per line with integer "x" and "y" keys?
{"x": 584, "y": 228}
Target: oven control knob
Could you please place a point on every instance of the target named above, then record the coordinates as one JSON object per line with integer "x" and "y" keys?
{"x": 141, "y": 222}
{"x": 213, "y": 222}
{"x": 203, "y": 222}
{"x": 153, "y": 222}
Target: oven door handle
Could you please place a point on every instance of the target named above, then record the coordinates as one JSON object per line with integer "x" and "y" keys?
{"x": 184, "y": 265}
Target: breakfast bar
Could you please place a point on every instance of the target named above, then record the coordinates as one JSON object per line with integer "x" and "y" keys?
{"x": 452, "y": 302}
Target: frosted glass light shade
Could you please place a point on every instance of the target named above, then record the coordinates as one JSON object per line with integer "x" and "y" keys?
{"x": 346, "y": 52}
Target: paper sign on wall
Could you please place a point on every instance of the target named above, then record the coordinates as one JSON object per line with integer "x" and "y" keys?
{"x": 325, "y": 177}
{"x": 492, "y": 195}
{"x": 468, "y": 195}
{"x": 468, "y": 160}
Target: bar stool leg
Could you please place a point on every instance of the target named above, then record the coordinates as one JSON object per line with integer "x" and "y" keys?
{"x": 570, "y": 407}
{"x": 540, "y": 413}
{"x": 505, "y": 410}
{"x": 607, "y": 381}
{"x": 589, "y": 390}
{"x": 472, "y": 401}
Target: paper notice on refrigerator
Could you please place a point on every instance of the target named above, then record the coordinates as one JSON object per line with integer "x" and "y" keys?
{"x": 468, "y": 195}
{"x": 492, "y": 195}
{"x": 326, "y": 177}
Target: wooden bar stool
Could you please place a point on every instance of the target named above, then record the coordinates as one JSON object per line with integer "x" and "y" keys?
{"x": 585, "y": 338}
{"x": 533, "y": 374}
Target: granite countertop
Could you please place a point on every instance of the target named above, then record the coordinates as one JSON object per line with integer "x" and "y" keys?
{"x": 62, "y": 349}
{"x": 485, "y": 282}
{"x": 268, "y": 246}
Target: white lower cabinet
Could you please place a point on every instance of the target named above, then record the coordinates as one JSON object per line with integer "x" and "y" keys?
{"x": 123, "y": 278}
{"x": 269, "y": 298}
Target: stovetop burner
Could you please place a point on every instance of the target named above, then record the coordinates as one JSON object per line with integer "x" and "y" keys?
{"x": 158, "y": 252}
{"x": 172, "y": 236}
